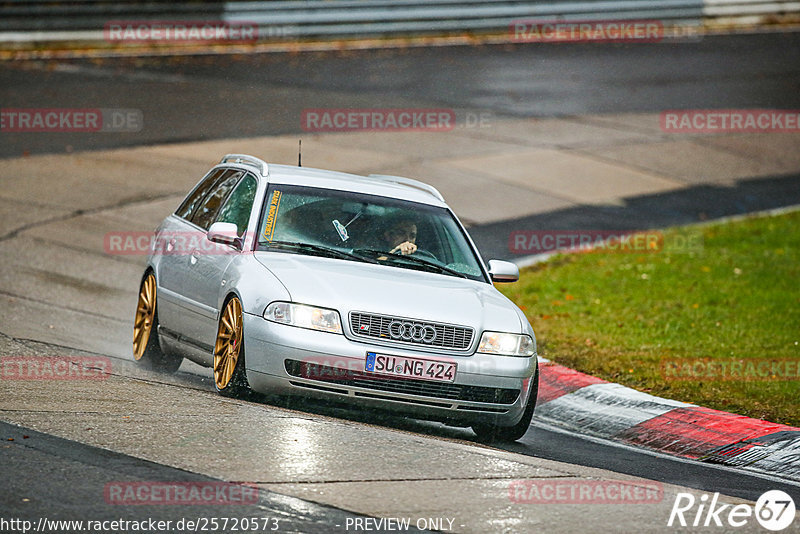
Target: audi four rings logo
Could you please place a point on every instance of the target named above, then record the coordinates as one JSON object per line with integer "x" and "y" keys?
{"x": 408, "y": 331}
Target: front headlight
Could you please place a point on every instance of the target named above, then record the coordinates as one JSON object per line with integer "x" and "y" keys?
{"x": 304, "y": 316}
{"x": 507, "y": 344}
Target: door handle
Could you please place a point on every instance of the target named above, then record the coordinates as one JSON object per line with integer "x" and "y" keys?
{"x": 192, "y": 259}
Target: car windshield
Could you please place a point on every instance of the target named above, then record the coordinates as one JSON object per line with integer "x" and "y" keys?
{"x": 369, "y": 228}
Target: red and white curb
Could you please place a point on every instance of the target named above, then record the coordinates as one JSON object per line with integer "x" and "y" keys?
{"x": 589, "y": 405}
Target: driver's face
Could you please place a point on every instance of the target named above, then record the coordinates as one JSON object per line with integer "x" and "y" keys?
{"x": 402, "y": 233}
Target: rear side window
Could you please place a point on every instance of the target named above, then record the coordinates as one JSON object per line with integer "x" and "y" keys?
{"x": 193, "y": 200}
{"x": 205, "y": 213}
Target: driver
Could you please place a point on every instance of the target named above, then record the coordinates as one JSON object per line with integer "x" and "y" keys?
{"x": 401, "y": 236}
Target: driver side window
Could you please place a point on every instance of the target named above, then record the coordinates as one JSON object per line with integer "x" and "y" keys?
{"x": 205, "y": 213}
{"x": 194, "y": 198}
{"x": 239, "y": 204}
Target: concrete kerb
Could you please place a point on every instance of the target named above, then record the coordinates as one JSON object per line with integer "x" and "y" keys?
{"x": 585, "y": 404}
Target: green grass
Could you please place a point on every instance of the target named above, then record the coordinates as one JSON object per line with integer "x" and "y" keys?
{"x": 623, "y": 316}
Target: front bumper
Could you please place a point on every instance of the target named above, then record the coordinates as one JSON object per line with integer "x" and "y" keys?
{"x": 277, "y": 356}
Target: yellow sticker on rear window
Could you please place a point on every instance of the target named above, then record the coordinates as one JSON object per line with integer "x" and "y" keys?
{"x": 272, "y": 215}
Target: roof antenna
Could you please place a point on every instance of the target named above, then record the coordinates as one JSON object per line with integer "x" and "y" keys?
{"x": 299, "y": 152}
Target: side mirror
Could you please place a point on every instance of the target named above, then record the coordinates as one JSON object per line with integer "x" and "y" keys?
{"x": 224, "y": 233}
{"x": 503, "y": 271}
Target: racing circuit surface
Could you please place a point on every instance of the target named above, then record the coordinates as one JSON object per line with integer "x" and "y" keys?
{"x": 319, "y": 467}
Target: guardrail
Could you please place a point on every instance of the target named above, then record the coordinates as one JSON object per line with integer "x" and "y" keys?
{"x": 85, "y": 19}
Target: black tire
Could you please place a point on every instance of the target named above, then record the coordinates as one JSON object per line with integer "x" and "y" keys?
{"x": 496, "y": 433}
{"x": 152, "y": 357}
{"x": 237, "y": 386}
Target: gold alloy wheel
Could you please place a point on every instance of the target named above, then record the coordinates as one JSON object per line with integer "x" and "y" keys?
{"x": 145, "y": 315}
{"x": 229, "y": 343}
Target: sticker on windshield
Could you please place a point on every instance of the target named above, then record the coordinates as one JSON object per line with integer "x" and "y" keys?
{"x": 272, "y": 215}
{"x": 341, "y": 230}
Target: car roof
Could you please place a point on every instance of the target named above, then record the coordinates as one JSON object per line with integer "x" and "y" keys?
{"x": 375, "y": 184}
{"x": 383, "y": 185}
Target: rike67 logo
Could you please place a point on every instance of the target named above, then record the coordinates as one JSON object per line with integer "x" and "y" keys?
{"x": 774, "y": 510}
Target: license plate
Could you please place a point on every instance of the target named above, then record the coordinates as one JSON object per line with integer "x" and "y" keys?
{"x": 400, "y": 366}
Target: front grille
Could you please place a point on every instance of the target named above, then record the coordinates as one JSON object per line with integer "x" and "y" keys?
{"x": 426, "y": 388}
{"x": 378, "y": 327}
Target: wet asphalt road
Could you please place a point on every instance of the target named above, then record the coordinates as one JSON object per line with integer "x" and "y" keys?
{"x": 214, "y": 97}
{"x": 184, "y": 99}
{"x": 37, "y": 464}
{"x": 55, "y": 478}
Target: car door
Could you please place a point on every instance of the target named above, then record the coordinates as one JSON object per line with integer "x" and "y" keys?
{"x": 173, "y": 259}
{"x": 207, "y": 261}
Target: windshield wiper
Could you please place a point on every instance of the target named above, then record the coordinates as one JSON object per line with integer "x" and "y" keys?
{"x": 411, "y": 259}
{"x": 320, "y": 249}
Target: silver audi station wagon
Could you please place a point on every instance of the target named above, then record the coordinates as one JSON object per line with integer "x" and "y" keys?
{"x": 294, "y": 281}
